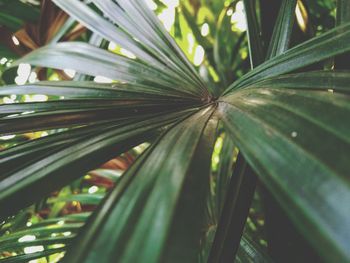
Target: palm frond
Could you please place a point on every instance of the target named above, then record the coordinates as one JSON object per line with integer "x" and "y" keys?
{"x": 291, "y": 130}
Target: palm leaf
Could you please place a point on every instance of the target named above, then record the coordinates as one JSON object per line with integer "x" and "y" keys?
{"x": 343, "y": 12}
{"x": 179, "y": 65}
{"x": 32, "y": 256}
{"x": 283, "y": 30}
{"x": 331, "y": 81}
{"x": 234, "y": 213}
{"x": 292, "y": 130}
{"x": 343, "y": 17}
{"x": 282, "y": 122}
{"x": 250, "y": 252}
{"x": 148, "y": 185}
{"x": 254, "y": 40}
{"x": 314, "y": 50}
{"x": 91, "y": 60}
{"x": 105, "y": 144}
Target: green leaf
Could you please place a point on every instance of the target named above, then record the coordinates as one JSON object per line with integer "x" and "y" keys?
{"x": 90, "y": 199}
{"x": 343, "y": 17}
{"x": 16, "y": 245}
{"x": 331, "y": 81}
{"x": 113, "y": 175}
{"x": 160, "y": 50}
{"x": 20, "y": 10}
{"x": 109, "y": 31}
{"x": 63, "y": 114}
{"x": 6, "y": 52}
{"x": 234, "y": 214}
{"x": 329, "y": 44}
{"x": 91, "y": 60}
{"x": 62, "y": 166}
{"x": 40, "y": 231}
{"x": 343, "y": 12}
{"x": 152, "y": 34}
{"x": 152, "y": 198}
{"x": 28, "y": 257}
{"x": 46, "y": 233}
{"x": 296, "y": 140}
{"x": 14, "y": 14}
{"x": 11, "y": 22}
{"x": 177, "y": 27}
{"x": 250, "y": 252}
{"x": 191, "y": 20}
{"x": 89, "y": 90}
{"x": 292, "y": 130}
{"x": 226, "y": 49}
{"x": 225, "y": 170}
{"x": 283, "y": 29}
{"x": 79, "y": 106}
{"x": 256, "y": 52}
{"x": 16, "y": 157}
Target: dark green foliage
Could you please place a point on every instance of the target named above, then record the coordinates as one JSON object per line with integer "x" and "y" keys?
{"x": 290, "y": 125}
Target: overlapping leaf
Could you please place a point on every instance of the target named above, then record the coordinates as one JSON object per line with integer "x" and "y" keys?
{"x": 292, "y": 129}
{"x": 61, "y": 164}
{"x": 159, "y": 51}
{"x": 153, "y": 198}
{"x": 298, "y": 143}
{"x": 254, "y": 39}
{"x": 314, "y": 50}
{"x": 91, "y": 60}
{"x": 283, "y": 29}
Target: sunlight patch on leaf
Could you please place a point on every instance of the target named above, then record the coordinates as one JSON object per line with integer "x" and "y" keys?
{"x": 205, "y": 30}
{"x": 23, "y": 73}
{"x": 199, "y": 55}
{"x": 238, "y": 18}
{"x": 93, "y": 189}
{"x": 70, "y": 72}
{"x": 33, "y": 249}
{"x": 151, "y": 4}
{"x": 102, "y": 79}
{"x": 27, "y": 238}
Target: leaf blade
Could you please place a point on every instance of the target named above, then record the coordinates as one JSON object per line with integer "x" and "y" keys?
{"x": 290, "y": 133}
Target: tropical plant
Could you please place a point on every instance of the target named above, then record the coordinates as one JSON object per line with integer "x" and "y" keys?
{"x": 284, "y": 124}
{"x": 32, "y": 30}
